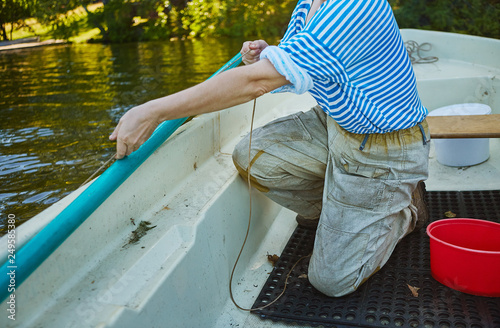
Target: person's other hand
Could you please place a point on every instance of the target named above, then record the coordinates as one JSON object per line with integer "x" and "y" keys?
{"x": 133, "y": 129}
{"x": 251, "y": 51}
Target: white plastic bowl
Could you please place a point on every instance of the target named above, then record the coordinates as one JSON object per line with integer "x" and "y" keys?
{"x": 462, "y": 152}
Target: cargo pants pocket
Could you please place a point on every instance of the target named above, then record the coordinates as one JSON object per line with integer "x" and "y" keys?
{"x": 284, "y": 129}
{"x": 356, "y": 184}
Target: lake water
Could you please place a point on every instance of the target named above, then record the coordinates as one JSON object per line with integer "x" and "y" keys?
{"x": 59, "y": 104}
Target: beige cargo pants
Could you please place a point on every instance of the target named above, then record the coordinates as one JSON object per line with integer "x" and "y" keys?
{"x": 359, "y": 186}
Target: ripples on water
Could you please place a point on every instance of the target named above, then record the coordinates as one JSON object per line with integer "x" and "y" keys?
{"x": 59, "y": 104}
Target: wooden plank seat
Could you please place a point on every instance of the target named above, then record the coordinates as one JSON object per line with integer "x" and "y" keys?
{"x": 465, "y": 126}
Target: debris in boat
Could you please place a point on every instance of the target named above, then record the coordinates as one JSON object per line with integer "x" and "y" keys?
{"x": 132, "y": 221}
{"x": 414, "y": 290}
{"x": 273, "y": 258}
{"x": 450, "y": 214}
{"x": 166, "y": 207}
{"x": 303, "y": 276}
{"x": 140, "y": 232}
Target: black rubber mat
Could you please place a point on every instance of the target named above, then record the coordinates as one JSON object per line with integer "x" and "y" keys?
{"x": 385, "y": 300}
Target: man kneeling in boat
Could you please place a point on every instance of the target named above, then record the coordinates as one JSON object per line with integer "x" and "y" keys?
{"x": 352, "y": 166}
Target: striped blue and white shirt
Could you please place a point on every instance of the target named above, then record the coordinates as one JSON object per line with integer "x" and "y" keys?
{"x": 350, "y": 56}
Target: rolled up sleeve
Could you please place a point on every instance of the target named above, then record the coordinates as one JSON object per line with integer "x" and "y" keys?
{"x": 300, "y": 80}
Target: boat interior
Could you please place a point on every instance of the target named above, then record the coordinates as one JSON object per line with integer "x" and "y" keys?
{"x": 177, "y": 274}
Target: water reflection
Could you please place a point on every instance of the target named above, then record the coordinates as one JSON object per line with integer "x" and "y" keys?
{"x": 59, "y": 104}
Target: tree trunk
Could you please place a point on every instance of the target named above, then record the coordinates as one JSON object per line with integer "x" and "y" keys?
{"x": 4, "y": 32}
{"x": 94, "y": 22}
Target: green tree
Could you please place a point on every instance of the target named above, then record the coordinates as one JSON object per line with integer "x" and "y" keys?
{"x": 53, "y": 12}
{"x": 237, "y": 17}
{"x": 116, "y": 20}
{"x": 477, "y": 17}
{"x": 12, "y": 12}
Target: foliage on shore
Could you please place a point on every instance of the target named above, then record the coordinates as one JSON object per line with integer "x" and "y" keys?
{"x": 153, "y": 19}
{"x": 132, "y": 20}
{"x": 475, "y": 17}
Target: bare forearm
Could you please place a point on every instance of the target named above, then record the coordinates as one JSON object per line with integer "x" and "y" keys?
{"x": 228, "y": 89}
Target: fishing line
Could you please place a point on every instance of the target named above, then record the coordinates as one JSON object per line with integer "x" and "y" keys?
{"x": 113, "y": 157}
{"x": 99, "y": 169}
{"x": 225, "y": 67}
{"x": 413, "y": 48}
{"x": 248, "y": 231}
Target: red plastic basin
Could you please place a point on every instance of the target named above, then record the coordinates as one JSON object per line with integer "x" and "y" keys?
{"x": 465, "y": 255}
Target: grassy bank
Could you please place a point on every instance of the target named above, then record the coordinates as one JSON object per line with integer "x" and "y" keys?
{"x": 79, "y": 15}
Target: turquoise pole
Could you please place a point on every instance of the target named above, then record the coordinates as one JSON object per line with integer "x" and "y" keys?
{"x": 39, "y": 248}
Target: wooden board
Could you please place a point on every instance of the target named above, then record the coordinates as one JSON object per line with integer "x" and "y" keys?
{"x": 465, "y": 126}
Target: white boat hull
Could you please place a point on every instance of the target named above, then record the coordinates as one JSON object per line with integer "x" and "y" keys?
{"x": 177, "y": 275}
